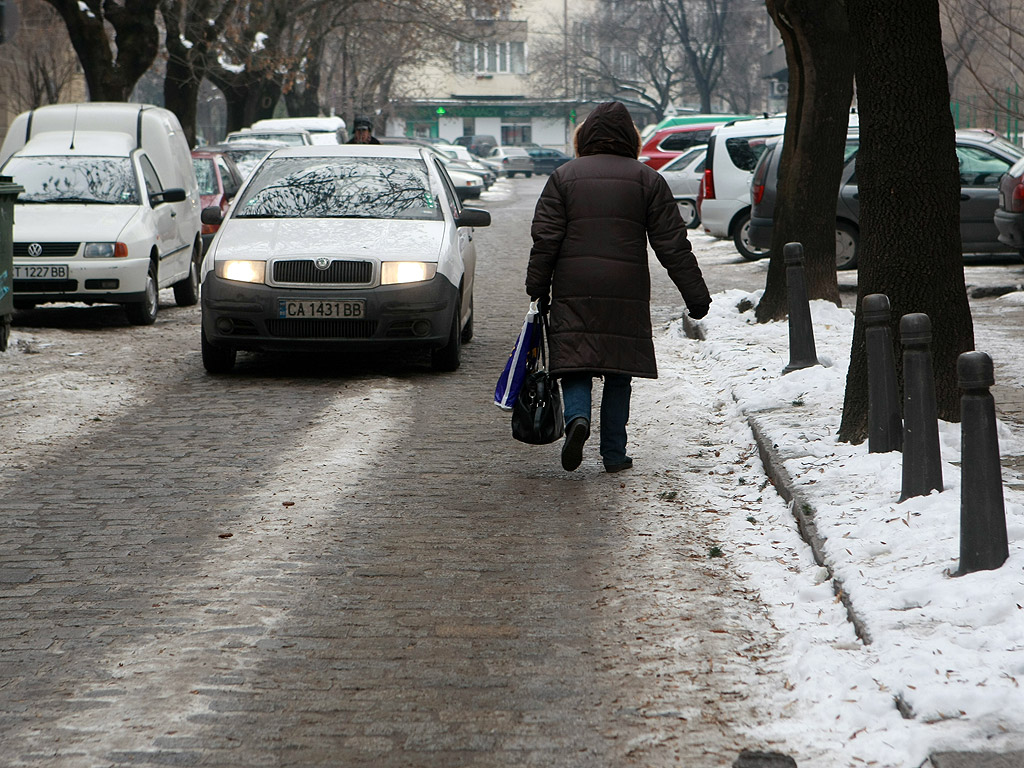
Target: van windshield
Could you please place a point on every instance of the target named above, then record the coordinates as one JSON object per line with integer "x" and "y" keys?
{"x": 61, "y": 179}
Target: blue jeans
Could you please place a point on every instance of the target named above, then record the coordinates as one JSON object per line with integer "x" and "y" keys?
{"x": 576, "y": 402}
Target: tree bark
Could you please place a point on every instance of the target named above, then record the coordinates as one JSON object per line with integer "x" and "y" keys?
{"x": 111, "y": 77}
{"x": 820, "y": 55}
{"x": 909, "y": 186}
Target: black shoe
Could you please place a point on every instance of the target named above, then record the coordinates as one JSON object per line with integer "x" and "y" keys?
{"x": 627, "y": 464}
{"x": 576, "y": 433}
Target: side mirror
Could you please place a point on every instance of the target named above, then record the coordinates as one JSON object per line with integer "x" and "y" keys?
{"x": 211, "y": 216}
{"x": 174, "y": 195}
{"x": 474, "y": 217}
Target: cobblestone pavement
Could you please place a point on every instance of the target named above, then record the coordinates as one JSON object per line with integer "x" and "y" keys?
{"x": 313, "y": 564}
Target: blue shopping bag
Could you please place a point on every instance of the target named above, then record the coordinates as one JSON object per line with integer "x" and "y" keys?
{"x": 523, "y": 353}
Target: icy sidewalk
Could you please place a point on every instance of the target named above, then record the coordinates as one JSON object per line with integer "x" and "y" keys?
{"x": 946, "y": 652}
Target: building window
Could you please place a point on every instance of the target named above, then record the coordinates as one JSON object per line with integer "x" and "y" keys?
{"x": 515, "y": 132}
{"x": 490, "y": 58}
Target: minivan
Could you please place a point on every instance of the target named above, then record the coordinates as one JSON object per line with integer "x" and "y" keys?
{"x": 110, "y": 208}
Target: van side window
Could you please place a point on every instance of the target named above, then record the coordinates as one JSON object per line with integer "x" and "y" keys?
{"x": 150, "y": 177}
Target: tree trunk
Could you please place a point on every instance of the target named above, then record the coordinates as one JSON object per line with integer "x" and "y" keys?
{"x": 909, "y": 186}
{"x": 820, "y": 56}
{"x": 181, "y": 95}
{"x": 136, "y": 42}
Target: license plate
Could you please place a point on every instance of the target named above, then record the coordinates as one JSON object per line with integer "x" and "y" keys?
{"x": 40, "y": 271}
{"x": 320, "y": 309}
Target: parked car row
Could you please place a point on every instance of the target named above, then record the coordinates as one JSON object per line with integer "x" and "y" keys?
{"x": 987, "y": 164}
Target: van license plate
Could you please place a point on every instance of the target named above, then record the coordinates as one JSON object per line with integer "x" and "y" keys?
{"x": 320, "y": 309}
{"x": 40, "y": 271}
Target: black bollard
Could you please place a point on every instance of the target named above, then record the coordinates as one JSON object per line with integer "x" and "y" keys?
{"x": 983, "y": 540}
{"x": 922, "y": 461}
{"x": 801, "y": 333}
{"x": 885, "y": 427}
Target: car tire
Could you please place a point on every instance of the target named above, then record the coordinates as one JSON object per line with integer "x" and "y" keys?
{"x": 688, "y": 210}
{"x": 5, "y": 332}
{"x": 467, "y": 329}
{"x": 847, "y": 245}
{"x": 186, "y": 292}
{"x": 527, "y": 174}
{"x": 217, "y": 360}
{"x": 144, "y": 312}
{"x": 449, "y": 357}
{"x": 510, "y": 174}
{"x": 741, "y": 237}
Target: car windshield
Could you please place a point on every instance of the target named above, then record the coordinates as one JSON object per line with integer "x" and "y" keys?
{"x": 516, "y": 152}
{"x": 206, "y": 175}
{"x": 61, "y": 179}
{"x": 341, "y": 187}
{"x": 247, "y": 159}
{"x": 289, "y": 139}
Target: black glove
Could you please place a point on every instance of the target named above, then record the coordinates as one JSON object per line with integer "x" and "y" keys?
{"x": 698, "y": 311}
{"x": 543, "y": 303}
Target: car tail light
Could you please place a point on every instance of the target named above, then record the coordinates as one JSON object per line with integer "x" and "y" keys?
{"x": 708, "y": 183}
{"x": 756, "y": 193}
{"x": 504, "y": 161}
{"x": 1017, "y": 198}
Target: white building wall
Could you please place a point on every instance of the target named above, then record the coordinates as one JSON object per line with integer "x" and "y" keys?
{"x": 449, "y": 128}
{"x": 550, "y": 132}
{"x": 489, "y": 126}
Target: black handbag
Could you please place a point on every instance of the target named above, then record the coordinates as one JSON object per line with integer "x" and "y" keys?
{"x": 537, "y": 414}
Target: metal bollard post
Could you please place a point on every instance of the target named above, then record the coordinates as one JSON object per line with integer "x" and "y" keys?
{"x": 983, "y": 540}
{"x": 922, "y": 461}
{"x": 801, "y": 333}
{"x": 885, "y": 427}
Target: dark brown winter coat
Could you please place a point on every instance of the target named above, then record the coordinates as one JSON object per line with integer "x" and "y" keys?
{"x": 590, "y": 232}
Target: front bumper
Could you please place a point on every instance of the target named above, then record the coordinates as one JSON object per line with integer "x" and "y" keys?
{"x": 1011, "y": 228}
{"x": 99, "y": 281}
{"x": 247, "y": 316}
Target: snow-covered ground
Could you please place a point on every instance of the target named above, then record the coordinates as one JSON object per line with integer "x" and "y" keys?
{"x": 950, "y": 648}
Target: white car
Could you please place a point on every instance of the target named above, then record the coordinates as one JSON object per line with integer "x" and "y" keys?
{"x": 511, "y": 160}
{"x": 110, "y": 207}
{"x": 339, "y": 249}
{"x": 292, "y": 138}
{"x": 724, "y": 199}
{"x": 322, "y": 130}
{"x": 684, "y": 174}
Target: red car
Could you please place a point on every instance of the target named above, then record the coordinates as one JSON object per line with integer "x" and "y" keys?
{"x": 219, "y": 180}
{"x": 668, "y": 143}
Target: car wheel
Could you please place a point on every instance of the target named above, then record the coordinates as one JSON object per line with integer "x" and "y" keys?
{"x": 144, "y": 312}
{"x": 467, "y": 329}
{"x": 688, "y": 210}
{"x": 448, "y": 357}
{"x": 217, "y": 359}
{"x": 527, "y": 174}
{"x": 741, "y": 237}
{"x": 846, "y": 245}
{"x": 186, "y": 292}
{"x": 510, "y": 174}
{"x": 5, "y": 332}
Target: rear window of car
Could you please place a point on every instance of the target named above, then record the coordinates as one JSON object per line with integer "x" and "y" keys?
{"x": 340, "y": 187}
{"x": 677, "y": 142}
{"x": 745, "y": 151}
{"x": 516, "y": 152}
{"x": 205, "y": 175}
{"x": 60, "y": 179}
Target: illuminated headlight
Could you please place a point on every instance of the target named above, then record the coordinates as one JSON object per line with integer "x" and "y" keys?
{"x": 105, "y": 251}
{"x": 242, "y": 271}
{"x": 392, "y": 272}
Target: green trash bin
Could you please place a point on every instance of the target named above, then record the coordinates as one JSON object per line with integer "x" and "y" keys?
{"x": 9, "y": 192}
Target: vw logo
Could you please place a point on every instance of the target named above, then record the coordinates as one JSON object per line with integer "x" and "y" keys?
{"x": 35, "y": 249}
{"x": 322, "y": 262}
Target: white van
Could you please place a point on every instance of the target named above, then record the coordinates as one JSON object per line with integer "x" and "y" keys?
{"x": 322, "y": 130}
{"x": 723, "y": 201}
{"x": 110, "y": 211}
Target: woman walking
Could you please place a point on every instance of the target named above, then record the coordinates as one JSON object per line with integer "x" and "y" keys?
{"x": 590, "y": 232}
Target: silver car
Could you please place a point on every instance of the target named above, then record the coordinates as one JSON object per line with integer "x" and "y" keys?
{"x": 512, "y": 160}
{"x": 683, "y": 175}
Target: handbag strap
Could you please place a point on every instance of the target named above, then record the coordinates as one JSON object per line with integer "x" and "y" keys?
{"x": 542, "y": 347}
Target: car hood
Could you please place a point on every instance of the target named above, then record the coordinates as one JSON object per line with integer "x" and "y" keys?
{"x": 384, "y": 239}
{"x": 60, "y": 222}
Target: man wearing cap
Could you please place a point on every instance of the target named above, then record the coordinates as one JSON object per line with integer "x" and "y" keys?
{"x": 362, "y": 131}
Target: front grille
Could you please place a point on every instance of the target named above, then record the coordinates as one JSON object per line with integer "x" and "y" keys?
{"x": 306, "y": 328}
{"x": 50, "y": 250}
{"x": 339, "y": 273}
{"x": 45, "y": 286}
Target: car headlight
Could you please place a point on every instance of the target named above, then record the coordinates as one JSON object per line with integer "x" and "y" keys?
{"x": 392, "y": 272}
{"x": 242, "y": 271}
{"x": 105, "y": 251}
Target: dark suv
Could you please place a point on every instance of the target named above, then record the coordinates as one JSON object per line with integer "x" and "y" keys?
{"x": 480, "y": 145}
{"x": 1009, "y": 215}
{"x": 984, "y": 158}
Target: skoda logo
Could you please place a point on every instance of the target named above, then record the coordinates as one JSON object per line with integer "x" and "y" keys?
{"x": 35, "y": 249}
{"x": 323, "y": 262}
